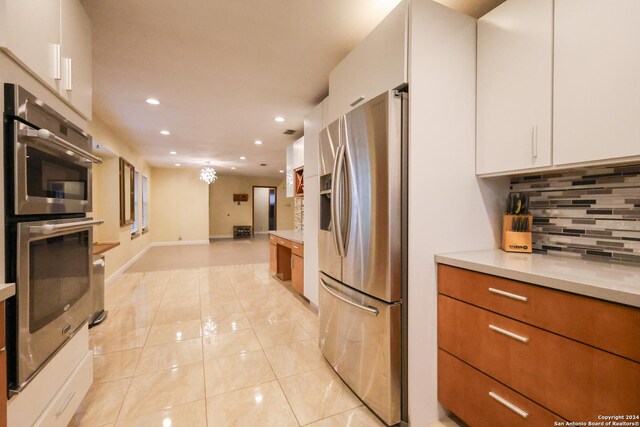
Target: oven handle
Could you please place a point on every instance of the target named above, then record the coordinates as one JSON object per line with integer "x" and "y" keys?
{"x": 51, "y": 137}
{"x": 54, "y": 228}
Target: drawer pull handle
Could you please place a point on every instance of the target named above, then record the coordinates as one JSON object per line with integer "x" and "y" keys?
{"x": 65, "y": 404}
{"x": 508, "y": 294}
{"x": 509, "y": 405}
{"x": 509, "y": 334}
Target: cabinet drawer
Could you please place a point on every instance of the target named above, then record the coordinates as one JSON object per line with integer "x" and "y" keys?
{"x": 576, "y": 381}
{"x": 273, "y": 239}
{"x": 297, "y": 249}
{"x": 68, "y": 399}
{"x": 283, "y": 242}
{"x": 602, "y": 324}
{"x": 465, "y": 391}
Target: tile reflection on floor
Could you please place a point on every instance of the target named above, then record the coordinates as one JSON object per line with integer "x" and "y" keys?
{"x": 212, "y": 346}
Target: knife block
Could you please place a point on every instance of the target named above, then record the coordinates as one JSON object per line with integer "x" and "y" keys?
{"x": 516, "y": 241}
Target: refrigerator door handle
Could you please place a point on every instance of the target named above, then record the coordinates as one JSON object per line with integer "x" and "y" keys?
{"x": 337, "y": 200}
{"x": 369, "y": 309}
{"x": 334, "y": 199}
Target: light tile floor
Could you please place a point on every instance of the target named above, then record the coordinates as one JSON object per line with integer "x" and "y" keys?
{"x": 212, "y": 346}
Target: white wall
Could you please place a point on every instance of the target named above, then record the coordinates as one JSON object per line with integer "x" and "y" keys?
{"x": 449, "y": 208}
{"x": 260, "y": 209}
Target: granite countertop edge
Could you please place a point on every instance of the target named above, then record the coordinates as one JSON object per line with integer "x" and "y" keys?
{"x": 293, "y": 235}
{"x": 7, "y": 290}
{"x": 596, "y": 285}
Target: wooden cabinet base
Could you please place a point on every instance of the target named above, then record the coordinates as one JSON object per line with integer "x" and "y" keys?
{"x": 481, "y": 401}
{"x": 297, "y": 274}
{"x": 273, "y": 259}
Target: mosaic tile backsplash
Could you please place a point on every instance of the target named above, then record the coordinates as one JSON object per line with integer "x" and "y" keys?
{"x": 592, "y": 213}
{"x": 298, "y": 214}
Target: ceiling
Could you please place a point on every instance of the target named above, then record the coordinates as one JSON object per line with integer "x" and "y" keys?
{"x": 222, "y": 71}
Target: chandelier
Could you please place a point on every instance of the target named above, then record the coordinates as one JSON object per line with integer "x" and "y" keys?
{"x": 208, "y": 175}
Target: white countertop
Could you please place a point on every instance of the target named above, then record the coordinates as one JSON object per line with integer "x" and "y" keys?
{"x": 7, "y": 290}
{"x": 294, "y": 236}
{"x": 611, "y": 282}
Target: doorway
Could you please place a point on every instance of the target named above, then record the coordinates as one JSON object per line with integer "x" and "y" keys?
{"x": 265, "y": 201}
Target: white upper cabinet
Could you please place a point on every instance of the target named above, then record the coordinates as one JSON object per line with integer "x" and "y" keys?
{"x": 596, "y": 80}
{"x": 289, "y": 172}
{"x": 312, "y": 128}
{"x": 30, "y": 32}
{"x": 514, "y": 87}
{"x": 52, "y": 40}
{"x": 76, "y": 56}
{"x": 377, "y": 64}
{"x": 298, "y": 153}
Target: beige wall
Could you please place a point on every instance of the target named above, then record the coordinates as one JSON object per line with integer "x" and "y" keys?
{"x": 224, "y": 213}
{"x": 106, "y": 196}
{"x": 179, "y": 205}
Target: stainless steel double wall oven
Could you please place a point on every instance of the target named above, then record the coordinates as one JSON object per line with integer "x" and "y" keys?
{"x": 47, "y": 176}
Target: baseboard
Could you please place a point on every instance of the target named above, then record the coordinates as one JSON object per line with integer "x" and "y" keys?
{"x": 127, "y": 264}
{"x": 222, "y": 236}
{"x": 261, "y": 232}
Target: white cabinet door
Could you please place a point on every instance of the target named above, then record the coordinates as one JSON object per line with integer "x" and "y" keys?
{"x": 515, "y": 42}
{"x": 596, "y": 109}
{"x": 30, "y": 31}
{"x": 377, "y": 64}
{"x": 312, "y": 128}
{"x": 298, "y": 153}
{"x": 289, "y": 171}
{"x": 76, "y": 56}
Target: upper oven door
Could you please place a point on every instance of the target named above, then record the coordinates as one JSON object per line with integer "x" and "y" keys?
{"x": 51, "y": 159}
{"x": 53, "y": 287}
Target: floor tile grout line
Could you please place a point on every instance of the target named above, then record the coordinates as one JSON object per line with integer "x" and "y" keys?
{"x": 139, "y": 358}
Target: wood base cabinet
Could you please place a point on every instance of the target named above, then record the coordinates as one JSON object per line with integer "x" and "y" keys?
{"x": 286, "y": 261}
{"x": 531, "y": 365}
{"x": 297, "y": 274}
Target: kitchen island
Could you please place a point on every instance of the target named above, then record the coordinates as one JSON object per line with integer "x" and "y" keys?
{"x": 286, "y": 257}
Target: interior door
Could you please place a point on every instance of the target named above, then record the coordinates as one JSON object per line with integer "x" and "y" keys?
{"x": 329, "y": 260}
{"x": 372, "y": 166}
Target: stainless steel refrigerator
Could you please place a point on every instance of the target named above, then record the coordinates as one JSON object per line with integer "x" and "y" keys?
{"x": 362, "y": 251}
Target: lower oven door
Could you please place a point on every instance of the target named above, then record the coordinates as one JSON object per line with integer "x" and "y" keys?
{"x": 53, "y": 282}
{"x": 360, "y": 337}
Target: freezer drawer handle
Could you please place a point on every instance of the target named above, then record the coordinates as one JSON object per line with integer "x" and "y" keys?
{"x": 509, "y": 334}
{"x": 508, "y": 294}
{"x": 367, "y": 308}
{"x": 509, "y": 405}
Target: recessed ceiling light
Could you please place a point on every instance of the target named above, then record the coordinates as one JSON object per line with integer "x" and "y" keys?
{"x": 165, "y": 132}
{"x": 177, "y": 164}
{"x": 172, "y": 152}
{"x": 281, "y": 171}
{"x": 279, "y": 119}
{"x": 257, "y": 142}
{"x": 243, "y": 158}
{"x": 233, "y": 167}
{"x": 152, "y": 101}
